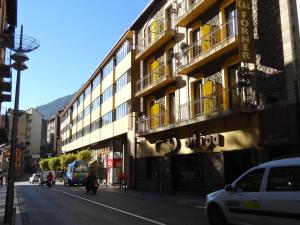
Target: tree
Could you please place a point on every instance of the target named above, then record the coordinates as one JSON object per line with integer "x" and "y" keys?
{"x": 44, "y": 164}
{"x": 85, "y": 155}
{"x": 66, "y": 159}
{"x": 54, "y": 163}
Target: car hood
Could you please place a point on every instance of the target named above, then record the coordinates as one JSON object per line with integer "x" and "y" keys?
{"x": 215, "y": 194}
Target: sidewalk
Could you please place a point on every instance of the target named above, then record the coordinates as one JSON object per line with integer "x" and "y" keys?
{"x": 2, "y": 206}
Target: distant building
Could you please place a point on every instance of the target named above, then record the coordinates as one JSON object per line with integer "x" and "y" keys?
{"x": 4, "y": 160}
{"x": 53, "y": 134}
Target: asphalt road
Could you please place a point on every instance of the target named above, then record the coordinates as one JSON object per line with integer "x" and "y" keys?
{"x": 72, "y": 206}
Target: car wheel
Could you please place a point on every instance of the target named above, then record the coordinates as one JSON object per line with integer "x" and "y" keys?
{"x": 216, "y": 215}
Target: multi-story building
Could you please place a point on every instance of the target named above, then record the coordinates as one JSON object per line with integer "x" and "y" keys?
{"x": 29, "y": 135}
{"x": 212, "y": 74}
{"x": 8, "y": 22}
{"x": 53, "y": 134}
{"x": 97, "y": 118}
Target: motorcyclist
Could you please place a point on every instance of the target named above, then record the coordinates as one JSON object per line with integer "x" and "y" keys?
{"x": 49, "y": 178}
{"x": 90, "y": 181}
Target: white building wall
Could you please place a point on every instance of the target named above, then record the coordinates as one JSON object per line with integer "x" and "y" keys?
{"x": 34, "y": 131}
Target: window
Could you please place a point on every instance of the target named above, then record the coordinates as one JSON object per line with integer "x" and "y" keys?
{"x": 107, "y": 93}
{"x": 95, "y": 125}
{"x": 284, "y": 179}
{"x": 79, "y": 117}
{"x": 108, "y": 68}
{"x": 96, "y": 82}
{"x": 107, "y": 118}
{"x": 123, "y": 80}
{"x": 123, "y": 51}
{"x": 79, "y": 134}
{"x": 96, "y": 104}
{"x": 122, "y": 110}
{"x": 86, "y": 130}
{"x": 231, "y": 15}
{"x": 250, "y": 182}
{"x": 87, "y": 91}
{"x": 86, "y": 111}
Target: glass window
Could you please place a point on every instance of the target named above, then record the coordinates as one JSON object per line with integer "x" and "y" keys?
{"x": 81, "y": 168}
{"x": 284, "y": 179}
{"x": 250, "y": 182}
{"x": 123, "y": 51}
{"x": 107, "y": 118}
{"x": 86, "y": 130}
{"x": 79, "y": 117}
{"x": 123, "y": 80}
{"x": 95, "y": 125}
{"x": 86, "y": 111}
{"x": 96, "y": 82}
{"x": 108, "y": 68}
{"x": 107, "y": 93}
{"x": 231, "y": 15}
{"x": 122, "y": 110}
{"x": 87, "y": 91}
{"x": 96, "y": 103}
{"x": 79, "y": 134}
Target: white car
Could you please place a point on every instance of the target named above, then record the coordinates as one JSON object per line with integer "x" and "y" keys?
{"x": 34, "y": 178}
{"x": 268, "y": 194}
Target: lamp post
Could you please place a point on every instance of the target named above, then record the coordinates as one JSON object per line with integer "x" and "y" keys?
{"x": 20, "y": 58}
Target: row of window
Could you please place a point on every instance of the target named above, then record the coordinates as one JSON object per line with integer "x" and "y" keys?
{"x": 121, "y": 111}
{"x": 122, "y": 52}
{"x": 121, "y": 82}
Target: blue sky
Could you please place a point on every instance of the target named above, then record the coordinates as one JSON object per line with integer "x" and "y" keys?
{"x": 74, "y": 38}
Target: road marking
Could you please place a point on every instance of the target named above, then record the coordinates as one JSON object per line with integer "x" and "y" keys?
{"x": 112, "y": 208}
{"x": 199, "y": 207}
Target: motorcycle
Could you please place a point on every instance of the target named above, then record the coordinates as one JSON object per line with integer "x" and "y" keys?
{"x": 49, "y": 184}
{"x": 92, "y": 187}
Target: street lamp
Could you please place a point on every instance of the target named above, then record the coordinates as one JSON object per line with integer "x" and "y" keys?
{"x": 20, "y": 58}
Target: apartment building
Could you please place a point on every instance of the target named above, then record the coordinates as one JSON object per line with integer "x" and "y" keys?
{"x": 53, "y": 134}
{"x": 98, "y": 117}
{"x": 8, "y": 22}
{"x": 212, "y": 74}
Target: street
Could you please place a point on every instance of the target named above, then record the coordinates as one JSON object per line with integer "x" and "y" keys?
{"x": 73, "y": 206}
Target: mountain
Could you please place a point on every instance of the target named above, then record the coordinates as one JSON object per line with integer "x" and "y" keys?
{"x": 53, "y": 107}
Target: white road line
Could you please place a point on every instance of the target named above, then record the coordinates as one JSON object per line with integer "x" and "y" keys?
{"x": 199, "y": 207}
{"x": 112, "y": 208}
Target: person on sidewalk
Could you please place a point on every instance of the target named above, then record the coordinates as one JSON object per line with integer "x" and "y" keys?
{"x": 122, "y": 180}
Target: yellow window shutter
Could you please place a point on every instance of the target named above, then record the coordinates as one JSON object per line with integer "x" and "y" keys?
{"x": 205, "y": 37}
{"x": 155, "y": 111}
{"x": 154, "y": 30}
{"x": 208, "y": 97}
{"x": 154, "y": 70}
{"x": 219, "y": 96}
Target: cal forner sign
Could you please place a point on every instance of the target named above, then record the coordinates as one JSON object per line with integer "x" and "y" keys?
{"x": 245, "y": 27}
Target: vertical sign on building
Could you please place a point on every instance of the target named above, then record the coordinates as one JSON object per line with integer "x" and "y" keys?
{"x": 245, "y": 27}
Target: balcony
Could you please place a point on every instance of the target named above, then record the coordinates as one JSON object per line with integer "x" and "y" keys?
{"x": 221, "y": 40}
{"x": 5, "y": 85}
{"x": 188, "y": 13}
{"x": 160, "y": 34}
{"x": 5, "y": 71}
{"x": 203, "y": 109}
{"x": 155, "y": 80}
{"x": 5, "y": 97}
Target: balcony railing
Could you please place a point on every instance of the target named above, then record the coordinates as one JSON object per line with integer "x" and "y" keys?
{"x": 210, "y": 105}
{"x": 154, "y": 34}
{"x": 186, "y": 12}
{"x": 217, "y": 37}
{"x": 153, "y": 78}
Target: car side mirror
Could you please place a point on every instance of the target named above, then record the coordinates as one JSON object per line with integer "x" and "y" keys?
{"x": 229, "y": 188}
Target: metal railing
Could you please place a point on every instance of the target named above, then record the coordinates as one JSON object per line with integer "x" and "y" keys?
{"x": 153, "y": 77}
{"x": 184, "y": 9}
{"x": 153, "y": 35}
{"x": 217, "y": 35}
{"x": 206, "y": 105}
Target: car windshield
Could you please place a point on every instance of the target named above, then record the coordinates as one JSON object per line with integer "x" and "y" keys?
{"x": 81, "y": 168}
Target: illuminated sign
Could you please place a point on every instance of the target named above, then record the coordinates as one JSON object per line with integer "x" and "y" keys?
{"x": 245, "y": 26}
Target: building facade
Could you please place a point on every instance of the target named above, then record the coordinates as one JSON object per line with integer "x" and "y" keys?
{"x": 212, "y": 74}
{"x": 98, "y": 116}
{"x": 8, "y": 22}
{"x": 53, "y": 134}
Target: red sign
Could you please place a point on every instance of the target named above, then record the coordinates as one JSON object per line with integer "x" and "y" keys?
{"x": 114, "y": 163}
